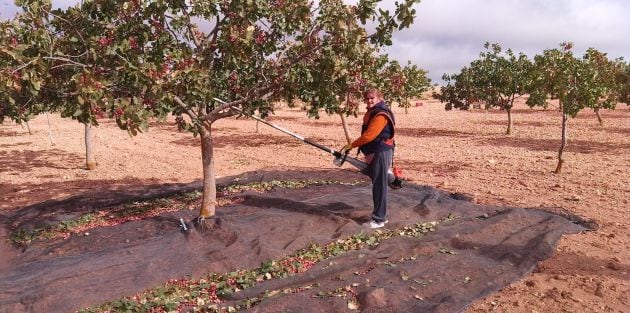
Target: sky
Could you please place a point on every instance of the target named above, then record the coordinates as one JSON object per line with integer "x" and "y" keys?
{"x": 448, "y": 34}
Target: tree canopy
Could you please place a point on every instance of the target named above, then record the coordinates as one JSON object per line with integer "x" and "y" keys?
{"x": 140, "y": 60}
{"x": 497, "y": 78}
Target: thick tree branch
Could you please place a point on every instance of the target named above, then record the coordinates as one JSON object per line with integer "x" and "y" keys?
{"x": 184, "y": 107}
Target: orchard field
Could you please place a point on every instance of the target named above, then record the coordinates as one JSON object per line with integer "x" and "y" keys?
{"x": 457, "y": 151}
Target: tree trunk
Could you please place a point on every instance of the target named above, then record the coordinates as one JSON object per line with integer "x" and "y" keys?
{"x": 345, "y": 127}
{"x": 565, "y": 119}
{"x": 509, "y": 128}
{"x": 52, "y": 141}
{"x": 209, "y": 201}
{"x": 90, "y": 160}
{"x": 599, "y": 117}
{"x": 29, "y": 128}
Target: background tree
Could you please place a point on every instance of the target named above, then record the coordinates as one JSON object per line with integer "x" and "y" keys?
{"x": 22, "y": 66}
{"x": 606, "y": 75}
{"x": 623, "y": 81}
{"x": 44, "y": 75}
{"x": 404, "y": 83}
{"x": 501, "y": 78}
{"x": 460, "y": 91}
{"x": 140, "y": 60}
{"x": 576, "y": 83}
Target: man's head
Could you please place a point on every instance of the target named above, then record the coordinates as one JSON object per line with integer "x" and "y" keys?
{"x": 371, "y": 97}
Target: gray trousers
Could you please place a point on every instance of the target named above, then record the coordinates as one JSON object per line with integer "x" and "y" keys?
{"x": 378, "y": 171}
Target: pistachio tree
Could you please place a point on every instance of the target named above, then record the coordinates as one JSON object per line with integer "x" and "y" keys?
{"x": 460, "y": 91}
{"x": 207, "y": 60}
{"x": 623, "y": 81}
{"x": 501, "y": 78}
{"x": 607, "y": 90}
{"x": 42, "y": 76}
{"x": 576, "y": 82}
{"x": 404, "y": 83}
{"x": 22, "y": 67}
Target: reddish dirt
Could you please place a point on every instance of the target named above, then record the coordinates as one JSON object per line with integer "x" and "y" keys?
{"x": 459, "y": 151}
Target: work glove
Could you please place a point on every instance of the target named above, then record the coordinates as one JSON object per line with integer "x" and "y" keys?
{"x": 346, "y": 148}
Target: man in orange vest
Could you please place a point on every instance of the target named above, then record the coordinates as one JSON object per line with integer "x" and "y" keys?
{"x": 377, "y": 144}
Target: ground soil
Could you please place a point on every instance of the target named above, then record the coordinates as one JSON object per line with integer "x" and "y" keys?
{"x": 459, "y": 151}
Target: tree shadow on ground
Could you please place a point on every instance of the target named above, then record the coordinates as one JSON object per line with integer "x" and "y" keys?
{"x": 333, "y": 208}
{"x": 514, "y": 111}
{"x": 320, "y": 123}
{"x": 6, "y": 146}
{"x": 619, "y": 130}
{"x": 13, "y": 131}
{"x": 577, "y": 146}
{"x": 432, "y": 167}
{"x": 280, "y": 119}
{"x": 255, "y": 140}
{"x": 189, "y": 142}
{"x": 84, "y": 196}
{"x": 29, "y": 159}
{"x": 432, "y": 132}
{"x": 92, "y": 196}
{"x": 606, "y": 114}
{"x": 243, "y": 140}
{"x": 518, "y": 123}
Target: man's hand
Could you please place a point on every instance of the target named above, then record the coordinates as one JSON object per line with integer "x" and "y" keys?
{"x": 346, "y": 148}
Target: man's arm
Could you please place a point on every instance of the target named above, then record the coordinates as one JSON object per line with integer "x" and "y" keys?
{"x": 375, "y": 127}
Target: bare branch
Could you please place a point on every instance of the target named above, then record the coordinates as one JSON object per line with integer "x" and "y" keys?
{"x": 170, "y": 30}
{"x": 190, "y": 31}
{"x": 23, "y": 66}
{"x": 65, "y": 60}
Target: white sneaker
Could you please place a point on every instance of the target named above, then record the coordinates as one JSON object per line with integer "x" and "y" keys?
{"x": 375, "y": 224}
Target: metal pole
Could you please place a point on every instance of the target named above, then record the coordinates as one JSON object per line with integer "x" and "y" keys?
{"x": 355, "y": 162}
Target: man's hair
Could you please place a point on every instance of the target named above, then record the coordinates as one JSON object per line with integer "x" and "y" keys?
{"x": 373, "y": 91}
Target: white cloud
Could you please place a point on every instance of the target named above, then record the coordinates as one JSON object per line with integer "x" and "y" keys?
{"x": 449, "y": 34}
{"x": 8, "y": 9}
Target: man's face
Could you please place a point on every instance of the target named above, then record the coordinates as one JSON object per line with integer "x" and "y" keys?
{"x": 371, "y": 99}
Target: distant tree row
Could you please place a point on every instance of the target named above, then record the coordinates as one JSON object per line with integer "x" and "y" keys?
{"x": 499, "y": 77}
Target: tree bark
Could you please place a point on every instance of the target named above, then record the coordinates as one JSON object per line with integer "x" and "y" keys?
{"x": 599, "y": 117}
{"x": 565, "y": 119}
{"x": 509, "y": 128}
{"x": 209, "y": 200}
{"x": 90, "y": 160}
{"x": 345, "y": 127}
{"x": 50, "y": 136}
{"x": 343, "y": 119}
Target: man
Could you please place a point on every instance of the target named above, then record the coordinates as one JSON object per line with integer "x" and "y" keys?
{"x": 377, "y": 144}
